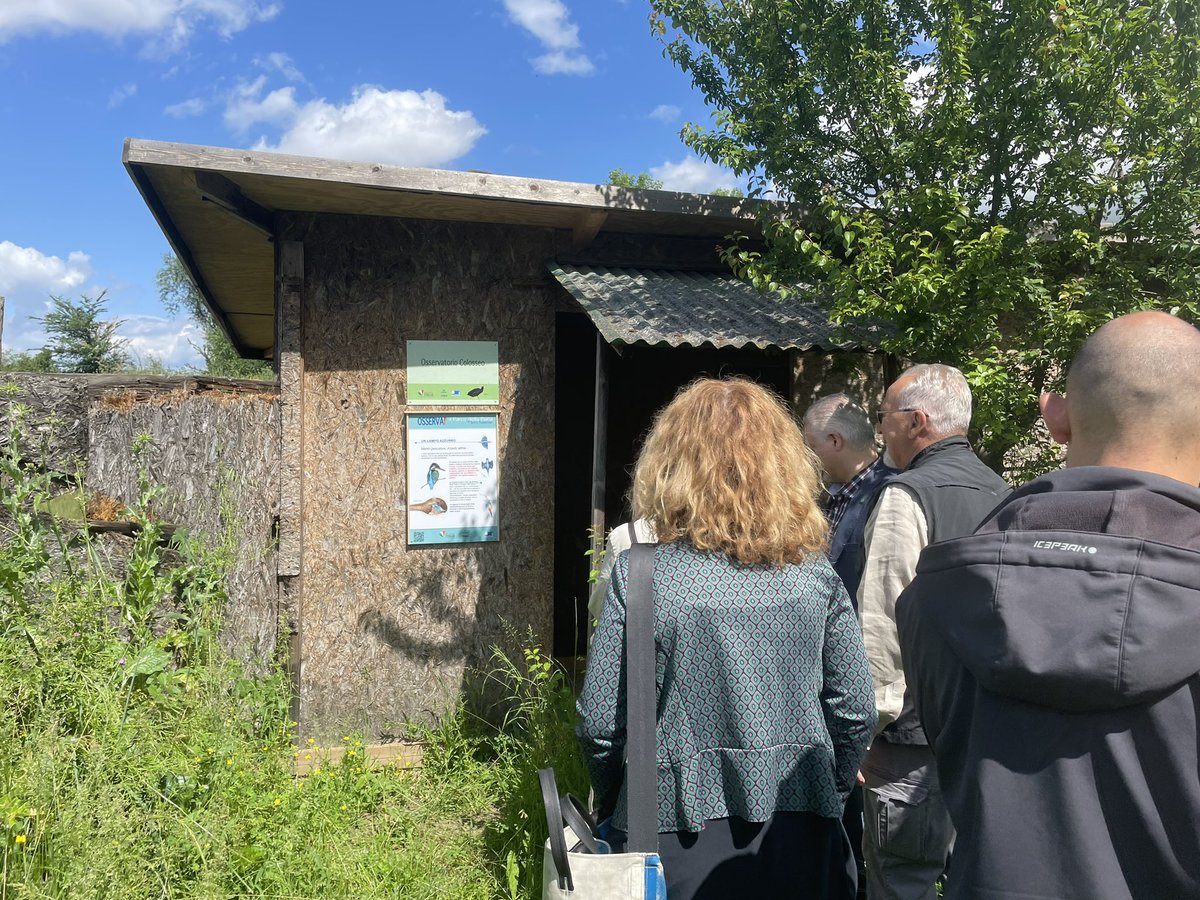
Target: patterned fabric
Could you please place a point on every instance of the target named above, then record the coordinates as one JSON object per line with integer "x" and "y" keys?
{"x": 765, "y": 699}
{"x": 840, "y": 499}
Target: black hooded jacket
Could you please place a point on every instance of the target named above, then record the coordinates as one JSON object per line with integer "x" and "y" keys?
{"x": 1053, "y": 659}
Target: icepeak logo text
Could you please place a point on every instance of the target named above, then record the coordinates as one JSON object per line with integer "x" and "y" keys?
{"x": 1062, "y": 545}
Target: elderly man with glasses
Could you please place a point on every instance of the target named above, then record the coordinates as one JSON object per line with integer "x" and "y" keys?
{"x": 942, "y": 491}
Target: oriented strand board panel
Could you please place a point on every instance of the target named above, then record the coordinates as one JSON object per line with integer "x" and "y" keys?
{"x": 216, "y": 455}
{"x": 391, "y": 634}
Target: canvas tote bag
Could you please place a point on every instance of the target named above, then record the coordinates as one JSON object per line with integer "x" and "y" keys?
{"x": 574, "y": 864}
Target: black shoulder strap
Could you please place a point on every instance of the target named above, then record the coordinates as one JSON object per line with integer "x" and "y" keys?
{"x": 642, "y": 745}
{"x": 554, "y": 819}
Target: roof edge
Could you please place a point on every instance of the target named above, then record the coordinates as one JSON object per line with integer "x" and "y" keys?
{"x": 480, "y": 185}
{"x": 181, "y": 250}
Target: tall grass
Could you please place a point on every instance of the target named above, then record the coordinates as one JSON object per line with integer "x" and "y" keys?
{"x": 137, "y": 760}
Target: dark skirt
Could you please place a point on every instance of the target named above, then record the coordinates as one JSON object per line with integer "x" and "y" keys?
{"x": 792, "y": 854}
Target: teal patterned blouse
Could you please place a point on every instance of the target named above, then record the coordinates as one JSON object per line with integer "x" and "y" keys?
{"x": 765, "y": 701}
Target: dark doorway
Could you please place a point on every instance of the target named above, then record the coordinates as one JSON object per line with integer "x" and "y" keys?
{"x": 644, "y": 379}
{"x": 574, "y": 411}
{"x": 641, "y": 381}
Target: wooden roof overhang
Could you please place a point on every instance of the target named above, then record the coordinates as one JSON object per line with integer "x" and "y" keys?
{"x": 217, "y": 207}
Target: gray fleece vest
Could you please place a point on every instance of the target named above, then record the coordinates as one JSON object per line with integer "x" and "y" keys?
{"x": 956, "y": 492}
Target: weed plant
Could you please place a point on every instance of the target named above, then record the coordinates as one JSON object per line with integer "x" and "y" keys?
{"x": 137, "y": 760}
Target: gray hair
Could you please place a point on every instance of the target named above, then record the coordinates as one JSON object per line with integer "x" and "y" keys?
{"x": 942, "y": 393}
{"x": 837, "y": 412}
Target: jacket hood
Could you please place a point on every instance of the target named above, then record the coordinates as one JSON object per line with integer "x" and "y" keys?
{"x": 1080, "y": 592}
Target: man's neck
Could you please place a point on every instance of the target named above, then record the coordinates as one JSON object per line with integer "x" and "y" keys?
{"x": 857, "y": 465}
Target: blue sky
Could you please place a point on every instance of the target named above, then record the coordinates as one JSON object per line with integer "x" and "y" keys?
{"x": 556, "y": 89}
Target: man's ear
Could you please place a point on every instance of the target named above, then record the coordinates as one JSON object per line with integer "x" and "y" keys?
{"x": 837, "y": 441}
{"x": 1054, "y": 411}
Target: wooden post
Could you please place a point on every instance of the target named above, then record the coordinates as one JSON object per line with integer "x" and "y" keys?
{"x": 289, "y": 366}
{"x": 599, "y": 448}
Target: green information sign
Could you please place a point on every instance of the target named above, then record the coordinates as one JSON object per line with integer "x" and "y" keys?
{"x": 453, "y": 373}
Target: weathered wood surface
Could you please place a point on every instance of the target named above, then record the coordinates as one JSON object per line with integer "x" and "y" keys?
{"x": 216, "y": 454}
{"x": 393, "y": 634}
{"x": 469, "y": 185}
{"x": 398, "y": 754}
{"x": 54, "y": 433}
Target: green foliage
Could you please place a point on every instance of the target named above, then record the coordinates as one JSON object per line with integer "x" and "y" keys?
{"x": 138, "y": 760}
{"x": 993, "y": 180}
{"x": 639, "y": 182}
{"x": 29, "y": 361}
{"x": 79, "y": 339}
{"x": 178, "y": 294}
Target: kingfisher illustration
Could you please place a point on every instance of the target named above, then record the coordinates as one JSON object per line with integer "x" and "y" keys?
{"x": 432, "y": 477}
{"x": 483, "y": 440}
{"x": 487, "y": 465}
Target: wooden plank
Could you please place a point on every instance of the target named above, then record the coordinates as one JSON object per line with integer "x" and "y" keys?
{"x": 219, "y": 190}
{"x": 586, "y": 228}
{"x": 600, "y": 447}
{"x": 290, "y": 367}
{"x": 310, "y": 758}
{"x": 478, "y": 185}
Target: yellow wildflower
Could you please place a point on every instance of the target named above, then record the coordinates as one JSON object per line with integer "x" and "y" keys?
{"x": 20, "y": 838}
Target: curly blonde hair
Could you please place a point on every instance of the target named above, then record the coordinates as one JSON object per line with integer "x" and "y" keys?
{"x": 726, "y": 467}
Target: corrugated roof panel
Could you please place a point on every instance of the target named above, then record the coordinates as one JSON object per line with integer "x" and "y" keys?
{"x": 695, "y": 308}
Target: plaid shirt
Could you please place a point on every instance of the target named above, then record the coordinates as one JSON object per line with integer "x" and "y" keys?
{"x": 840, "y": 498}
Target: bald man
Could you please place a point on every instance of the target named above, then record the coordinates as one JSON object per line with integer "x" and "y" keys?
{"x": 1053, "y": 655}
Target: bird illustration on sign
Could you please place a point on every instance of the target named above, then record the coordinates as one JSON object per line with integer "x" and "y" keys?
{"x": 475, "y": 392}
{"x": 434, "y": 506}
{"x": 431, "y": 478}
{"x": 487, "y": 465}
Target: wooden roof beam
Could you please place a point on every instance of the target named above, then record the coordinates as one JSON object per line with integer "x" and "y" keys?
{"x": 219, "y": 190}
{"x": 586, "y": 227}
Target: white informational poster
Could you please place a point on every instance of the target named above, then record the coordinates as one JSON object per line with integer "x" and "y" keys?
{"x": 452, "y": 478}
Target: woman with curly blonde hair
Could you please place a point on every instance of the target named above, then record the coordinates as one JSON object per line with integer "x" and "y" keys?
{"x": 765, "y": 704}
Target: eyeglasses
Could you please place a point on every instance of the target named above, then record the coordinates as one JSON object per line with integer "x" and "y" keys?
{"x": 880, "y": 413}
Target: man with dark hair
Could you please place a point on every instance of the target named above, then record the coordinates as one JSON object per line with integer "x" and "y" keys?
{"x": 942, "y": 491}
{"x": 1053, "y": 655}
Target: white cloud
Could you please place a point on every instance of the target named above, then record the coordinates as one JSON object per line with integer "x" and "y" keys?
{"x": 167, "y": 340}
{"x": 29, "y": 268}
{"x": 694, "y": 176}
{"x": 550, "y": 22}
{"x": 27, "y": 279}
{"x": 169, "y": 22}
{"x": 400, "y": 127}
{"x": 186, "y": 109}
{"x": 559, "y": 62}
{"x": 121, "y": 94}
{"x": 665, "y": 112}
{"x": 247, "y": 107}
{"x": 281, "y": 63}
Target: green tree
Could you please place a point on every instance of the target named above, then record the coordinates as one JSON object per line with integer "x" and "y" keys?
{"x": 178, "y": 294}
{"x": 79, "y": 339}
{"x": 639, "y": 182}
{"x": 29, "y": 361}
{"x": 994, "y": 180}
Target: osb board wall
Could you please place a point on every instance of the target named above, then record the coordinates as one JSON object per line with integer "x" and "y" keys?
{"x": 388, "y": 634}
{"x": 54, "y": 431}
{"x": 216, "y": 455}
{"x": 861, "y": 376}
